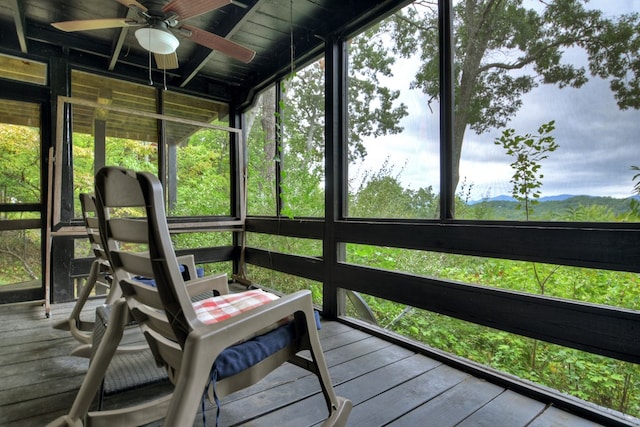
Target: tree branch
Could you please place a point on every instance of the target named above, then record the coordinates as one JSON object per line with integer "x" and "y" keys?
{"x": 22, "y": 260}
{"x": 528, "y": 59}
{"x": 414, "y": 24}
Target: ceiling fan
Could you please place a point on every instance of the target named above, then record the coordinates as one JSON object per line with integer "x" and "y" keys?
{"x": 157, "y": 29}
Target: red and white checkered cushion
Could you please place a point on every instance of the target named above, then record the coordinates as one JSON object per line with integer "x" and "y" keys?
{"x": 223, "y": 307}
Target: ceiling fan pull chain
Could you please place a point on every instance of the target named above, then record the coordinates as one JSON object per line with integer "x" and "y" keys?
{"x": 164, "y": 75}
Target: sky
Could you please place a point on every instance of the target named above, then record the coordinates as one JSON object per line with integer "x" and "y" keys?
{"x": 598, "y": 143}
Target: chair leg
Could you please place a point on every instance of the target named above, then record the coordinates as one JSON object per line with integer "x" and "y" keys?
{"x": 340, "y": 413}
{"x": 193, "y": 378}
{"x": 97, "y": 367}
{"x": 79, "y": 329}
{"x": 101, "y": 395}
{"x": 339, "y": 408}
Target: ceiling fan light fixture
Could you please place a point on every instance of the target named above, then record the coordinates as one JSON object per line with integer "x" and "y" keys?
{"x": 156, "y": 40}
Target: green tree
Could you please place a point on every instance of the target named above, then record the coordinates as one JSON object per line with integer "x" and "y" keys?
{"x": 373, "y": 107}
{"x": 380, "y": 192}
{"x": 635, "y": 203}
{"x": 492, "y": 38}
{"x": 128, "y": 153}
{"x": 20, "y": 160}
{"x": 528, "y": 151}
{"x": 424, "y": 203}
{"x": 20, "y": 250}
{"x": 374, "y": 110}
{"x": 203, "y": 168}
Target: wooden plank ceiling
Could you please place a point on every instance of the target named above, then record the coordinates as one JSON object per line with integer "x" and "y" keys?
{"x": 266, "y": 26}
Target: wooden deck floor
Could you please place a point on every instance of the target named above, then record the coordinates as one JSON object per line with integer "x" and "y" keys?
{"x": 388, "y": 384}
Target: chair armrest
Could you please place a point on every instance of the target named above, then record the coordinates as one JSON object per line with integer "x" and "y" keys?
{"x": 189, "y": 263}
{"x": 201, "y": 285}
{"x": 205, "y": 343}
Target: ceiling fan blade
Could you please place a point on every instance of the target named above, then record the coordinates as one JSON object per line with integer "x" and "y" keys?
{"x": 213, "y": 41}
{"x": 186, "y": 9}
{"x": 133, "y": 3}
{"x": 166, "y": 62}
{"x": 94, "y": 24}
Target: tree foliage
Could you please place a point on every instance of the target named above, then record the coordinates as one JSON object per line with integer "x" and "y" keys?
{"x": 636, "y": 179}
{"x": 374, "y": 110}
{"x": 372, "y": 105}
{"x": 494, "y": 38}
{"x": 635, "y": 202}
{"x": 20, "y": 252}
{"x": 528, "y": 151}
{"x": 19, "y": 164}
{"x": 381, "y": 192}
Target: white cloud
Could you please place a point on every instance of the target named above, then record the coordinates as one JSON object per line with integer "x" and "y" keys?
{"x": 598, "y": 142}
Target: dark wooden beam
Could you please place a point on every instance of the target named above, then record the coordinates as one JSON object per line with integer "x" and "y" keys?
{"x": 22, "y": 295}
{"x": 211, "y": 255}
{"x": 21, "y": 207}
{"x": 335, "y": 169}
{"x": 79, "y": 267}
{"x": 607, "y": 246}
{"x": 20, "y": 224}
{"x": 62, "y": 248}
{"x": 22, "y": 92}
{"x": 597, "y": 329}
{"x": 99, "y": 145}
{"x": 612, "y": 246}
{"x": 19, "y": 20}
{"x": 301, "y": 266}
{"x": 304, "y": 228}
{"x": 607, "y": 331}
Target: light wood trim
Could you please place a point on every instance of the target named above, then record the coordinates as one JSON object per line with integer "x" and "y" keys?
{"x": 57, "y": 182}
{"x": 87, "y": 103}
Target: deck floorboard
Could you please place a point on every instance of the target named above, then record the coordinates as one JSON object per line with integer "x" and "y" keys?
{"x": 388, "y": 384}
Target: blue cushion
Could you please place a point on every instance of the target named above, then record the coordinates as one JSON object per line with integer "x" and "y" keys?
{"x": 183, "y": 270}
{"x": 146, "y": 280}
{"x": 239, "y": 357}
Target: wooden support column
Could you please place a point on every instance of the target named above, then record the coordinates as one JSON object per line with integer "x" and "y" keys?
{"x": 447, "y": 108}
{"x": 61, "y": 248}
{"x": 335, "y": 172}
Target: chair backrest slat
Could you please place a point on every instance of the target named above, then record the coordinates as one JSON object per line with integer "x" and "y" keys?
{"x": 93, "y": 231}
{"x": 144, "y": 294}
{"x": 161, "y": 326}
{"x": 135, "y": 264}
{"x": 131, "y": 230}
{"x": 127, "y": 204}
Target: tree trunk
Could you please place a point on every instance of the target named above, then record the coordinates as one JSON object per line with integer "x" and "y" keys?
{"x": 478, "y": 24}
